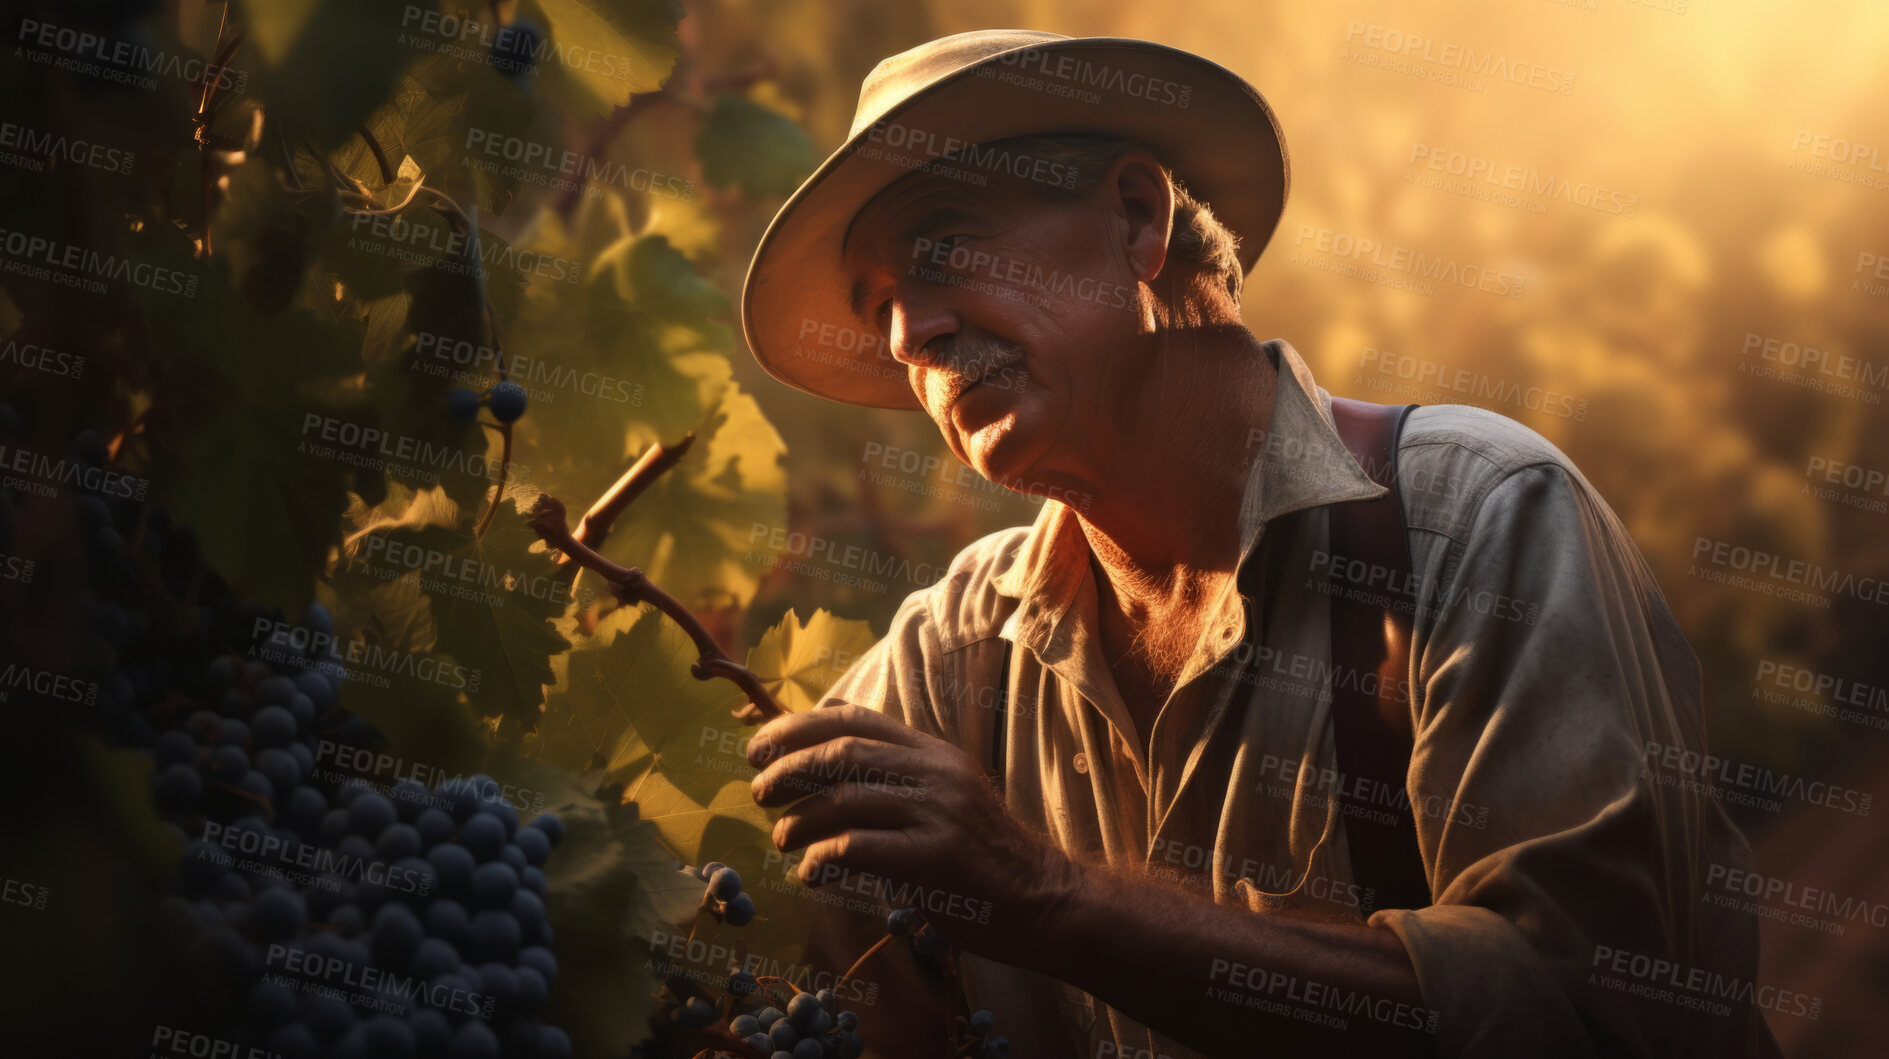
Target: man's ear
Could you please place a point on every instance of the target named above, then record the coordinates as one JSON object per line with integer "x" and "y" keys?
{"x": 1138, "y": 187}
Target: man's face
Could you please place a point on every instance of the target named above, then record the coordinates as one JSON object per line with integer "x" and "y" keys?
{"x": 1014, "y": 315}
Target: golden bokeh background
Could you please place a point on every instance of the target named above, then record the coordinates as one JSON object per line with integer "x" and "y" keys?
{"x": 1737, "y": 204}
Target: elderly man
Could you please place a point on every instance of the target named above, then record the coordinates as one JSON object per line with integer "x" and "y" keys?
{"x": 1235, "y": 751}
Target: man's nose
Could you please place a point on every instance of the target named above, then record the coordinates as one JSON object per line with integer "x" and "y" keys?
{"x": 915, "y": 323}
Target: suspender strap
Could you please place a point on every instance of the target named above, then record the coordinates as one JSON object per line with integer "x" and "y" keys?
{"x": 1373, "y": 600}
{"x": 1002, "y": 730}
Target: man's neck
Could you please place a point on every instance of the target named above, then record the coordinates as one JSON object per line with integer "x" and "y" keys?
{"x": 1177, "y": 472}
{"x": 1164, "y": 527}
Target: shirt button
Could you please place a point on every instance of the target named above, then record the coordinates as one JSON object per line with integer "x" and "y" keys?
{"x": 1082, "y": 763}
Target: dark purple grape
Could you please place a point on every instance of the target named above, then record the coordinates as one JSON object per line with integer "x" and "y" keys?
{"x": 280, "y": 914}
{"x": 435, "y": 827}
{"x": 535, "y": 845}
{"x": 483, "y": 836}
{"x": 473, "y": 1041}
{"x": 453, "y": 864}
{"x": 495, "y": 935}
{"x": 178, "y": 787}
{"x": 551, "y": 825}
{"x": 398, "y": 841}
{"x": 370, "y": 814}
{"x": 507, "y": 401}
{"x": 532, "y": 990}
{"x": 740, "y": 911}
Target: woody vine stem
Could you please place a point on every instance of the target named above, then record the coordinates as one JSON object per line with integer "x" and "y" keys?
{"x": 630, "y": 585}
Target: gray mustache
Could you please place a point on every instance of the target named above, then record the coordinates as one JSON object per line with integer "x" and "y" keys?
{"x": 968, "y": 358}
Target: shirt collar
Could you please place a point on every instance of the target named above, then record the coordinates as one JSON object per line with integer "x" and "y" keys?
{"x": 1302, "y": 463}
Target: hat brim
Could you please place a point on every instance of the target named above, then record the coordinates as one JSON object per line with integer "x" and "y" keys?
{"x": 1204, "y": 122}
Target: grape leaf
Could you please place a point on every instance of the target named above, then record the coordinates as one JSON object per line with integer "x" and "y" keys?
{"x": 598, "y": 53}
{"x": 797, "y": 663}
{"x": 760, "y": 149}
{"x": 663, "y": 738}
{"x": 261, "y": 492}
{"x": 491, "y": 600}
{"x": 298, "y": 42}
{"x": 695, "y": 530}
{"x": 613, "y": 889}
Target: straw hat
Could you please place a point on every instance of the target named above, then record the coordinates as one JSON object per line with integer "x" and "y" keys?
{"x": 929, "y": 107}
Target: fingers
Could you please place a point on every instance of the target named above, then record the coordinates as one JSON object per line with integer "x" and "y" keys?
{"x": 847, "y": 759}
{"x": 877, "y": 852}
{"x": 850, "y": 806}
{"x": 796, "y": 730}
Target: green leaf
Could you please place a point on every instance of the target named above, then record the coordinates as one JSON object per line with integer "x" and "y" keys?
{"x": 761, "y": 150}
{"x": 664, "y": 739}
{"x": 695, "y": 530}
{"x": 797, "y": 663}
{"x": 259, "y": 489}
{"x": 613, "y": 888}
{"x": 298, "y": 42}
{"x": 491, "y": 600}
{"x": 598, "y": 53}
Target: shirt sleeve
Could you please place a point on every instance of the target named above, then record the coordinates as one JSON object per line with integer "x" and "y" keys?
{"x": 1548, "y": 666}
{"x": 899, "y": 675}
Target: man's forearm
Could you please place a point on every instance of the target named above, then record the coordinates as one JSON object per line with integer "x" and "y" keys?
{"x": 1227, "y": 981}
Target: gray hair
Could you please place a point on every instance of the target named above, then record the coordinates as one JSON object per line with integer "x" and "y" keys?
{"x": 1198, "y": 240}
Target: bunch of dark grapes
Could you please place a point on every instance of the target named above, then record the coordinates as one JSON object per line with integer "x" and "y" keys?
{"x": 346, "y": 918}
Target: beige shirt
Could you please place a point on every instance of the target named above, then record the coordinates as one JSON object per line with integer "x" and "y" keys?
{"x": 1547, "y": 675}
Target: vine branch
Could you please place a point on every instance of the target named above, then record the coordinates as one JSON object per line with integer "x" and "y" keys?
{"x": 547, "y": 519}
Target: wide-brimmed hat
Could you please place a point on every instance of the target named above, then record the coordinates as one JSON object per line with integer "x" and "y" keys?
{"x": 929, "y": 108}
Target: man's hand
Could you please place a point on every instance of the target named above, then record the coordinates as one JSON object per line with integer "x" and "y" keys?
{"x": 872, "y": 795}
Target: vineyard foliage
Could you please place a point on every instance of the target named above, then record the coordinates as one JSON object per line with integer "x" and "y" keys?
{"x": 361, "y": 208}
